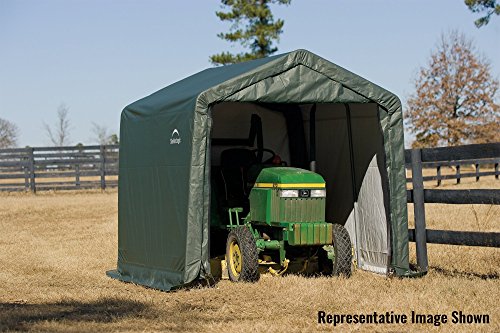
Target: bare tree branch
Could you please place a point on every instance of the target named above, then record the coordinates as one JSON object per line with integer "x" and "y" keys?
{"x": 59, "y": 134}
{"x": 101, "y": 133}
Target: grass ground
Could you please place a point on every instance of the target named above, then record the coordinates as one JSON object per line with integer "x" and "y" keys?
{"x": 56, "y": 247}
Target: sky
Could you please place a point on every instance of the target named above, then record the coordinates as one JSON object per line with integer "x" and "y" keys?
{"x": 97, "y": 56}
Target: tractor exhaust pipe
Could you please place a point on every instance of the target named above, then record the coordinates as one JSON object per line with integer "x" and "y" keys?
{"x": 312, "y": 138}
{"x": 312, "y": 166}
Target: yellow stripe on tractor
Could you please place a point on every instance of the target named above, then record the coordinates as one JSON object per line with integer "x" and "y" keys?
{"x": 298, "y": 185}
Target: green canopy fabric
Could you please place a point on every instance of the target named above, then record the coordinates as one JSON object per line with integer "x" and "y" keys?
{"x": 164, "y": 172}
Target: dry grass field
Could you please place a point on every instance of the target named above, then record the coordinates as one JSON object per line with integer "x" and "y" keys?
{"x": 56, "y": 246}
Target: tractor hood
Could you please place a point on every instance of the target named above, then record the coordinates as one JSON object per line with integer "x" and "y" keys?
{"x": 272, "y": 177}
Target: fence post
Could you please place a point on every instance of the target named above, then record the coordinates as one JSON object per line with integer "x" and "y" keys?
{"x": 438, "y": 175}
{"x": 419, "y": 209}
{"x": 103, "y": 167}
{"x": 31, "y": 162}
{"x": 26, "y": 167}
{"x": 477, "y": 172}
{"x": 77, "y": 177}
{"x": 458, "y": 173}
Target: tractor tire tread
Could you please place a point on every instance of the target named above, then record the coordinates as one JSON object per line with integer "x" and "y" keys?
{"x": 250, "y": 258}
{"x": 343, "y": 251}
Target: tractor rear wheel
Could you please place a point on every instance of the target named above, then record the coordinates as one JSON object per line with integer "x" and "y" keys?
{"x": 241, "y": 256}
{"x": 342, "y": 262}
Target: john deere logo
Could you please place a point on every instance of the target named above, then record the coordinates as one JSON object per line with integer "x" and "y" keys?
{"x": 175, "y": 138}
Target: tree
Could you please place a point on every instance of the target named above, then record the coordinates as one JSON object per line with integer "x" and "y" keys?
{"x": 454, "y": 98}
{"x": 8, "y": 134}
{"x": 488, "y": 7}
{"x": 59, "y": 134}
{"x": 102, "y": 136}
{"x": 101, "y": 133}
{"x": 114, "y": 139}
{"x": 253, "y": 26}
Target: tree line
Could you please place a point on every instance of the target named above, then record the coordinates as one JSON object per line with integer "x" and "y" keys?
{"x": 58, "y": 134}
{"x": 454, "y": 100}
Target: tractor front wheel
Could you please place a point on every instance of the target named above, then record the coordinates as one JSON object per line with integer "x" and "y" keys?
{"x": 242, "y": 256}
{"x": 342, "y": 261}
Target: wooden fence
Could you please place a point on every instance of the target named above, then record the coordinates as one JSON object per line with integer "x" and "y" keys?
{"x": 84, "y": 167}
{"x": 417, "y": 158}
{"x": 63, "y": 168}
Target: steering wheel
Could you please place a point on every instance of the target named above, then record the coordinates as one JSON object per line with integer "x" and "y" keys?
{"x": 264, "y": 150}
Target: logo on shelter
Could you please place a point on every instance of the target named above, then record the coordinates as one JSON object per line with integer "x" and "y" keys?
{"x": 175, "y": 138}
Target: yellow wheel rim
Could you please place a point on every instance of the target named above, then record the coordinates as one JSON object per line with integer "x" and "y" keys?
{"x": 235, "y": 261}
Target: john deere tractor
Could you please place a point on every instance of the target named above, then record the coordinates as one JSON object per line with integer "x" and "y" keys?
{"x": 287, "y": 215}
{"x": 272, "y": 214}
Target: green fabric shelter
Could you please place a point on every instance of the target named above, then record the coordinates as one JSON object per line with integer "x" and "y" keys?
{"x": 165, "y": 161}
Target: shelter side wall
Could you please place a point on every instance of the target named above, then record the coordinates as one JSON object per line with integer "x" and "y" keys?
{"x": 372, "y": 208}
{"x": 392, "y": 124}
{"x": 198, "y": 202}
{"x": 357, "y": 183}
{"x": 155, "y": 158}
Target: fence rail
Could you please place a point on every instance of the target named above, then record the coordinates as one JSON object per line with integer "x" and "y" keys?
{"x": 468, "y": 238}
{"x": 491, "y": 197}
{"x": 63, "y": 168}
{"x": 430, "y": 160}
{"x": 416, "y": 159}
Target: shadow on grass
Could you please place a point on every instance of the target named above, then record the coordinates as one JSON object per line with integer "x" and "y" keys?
{"x": 460, "y": 274}
{"x": 18, "y": 316}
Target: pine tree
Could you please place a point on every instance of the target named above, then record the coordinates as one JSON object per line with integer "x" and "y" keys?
{"x": 454, "y": 98}
{"x": 253, "y": 26}
{"x": 488, "y": 7}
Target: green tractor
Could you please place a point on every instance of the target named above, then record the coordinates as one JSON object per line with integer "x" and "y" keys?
{"x": 272, "y": 214}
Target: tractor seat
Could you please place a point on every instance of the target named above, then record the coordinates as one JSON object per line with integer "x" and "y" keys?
{"x": 234, "y": 166}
